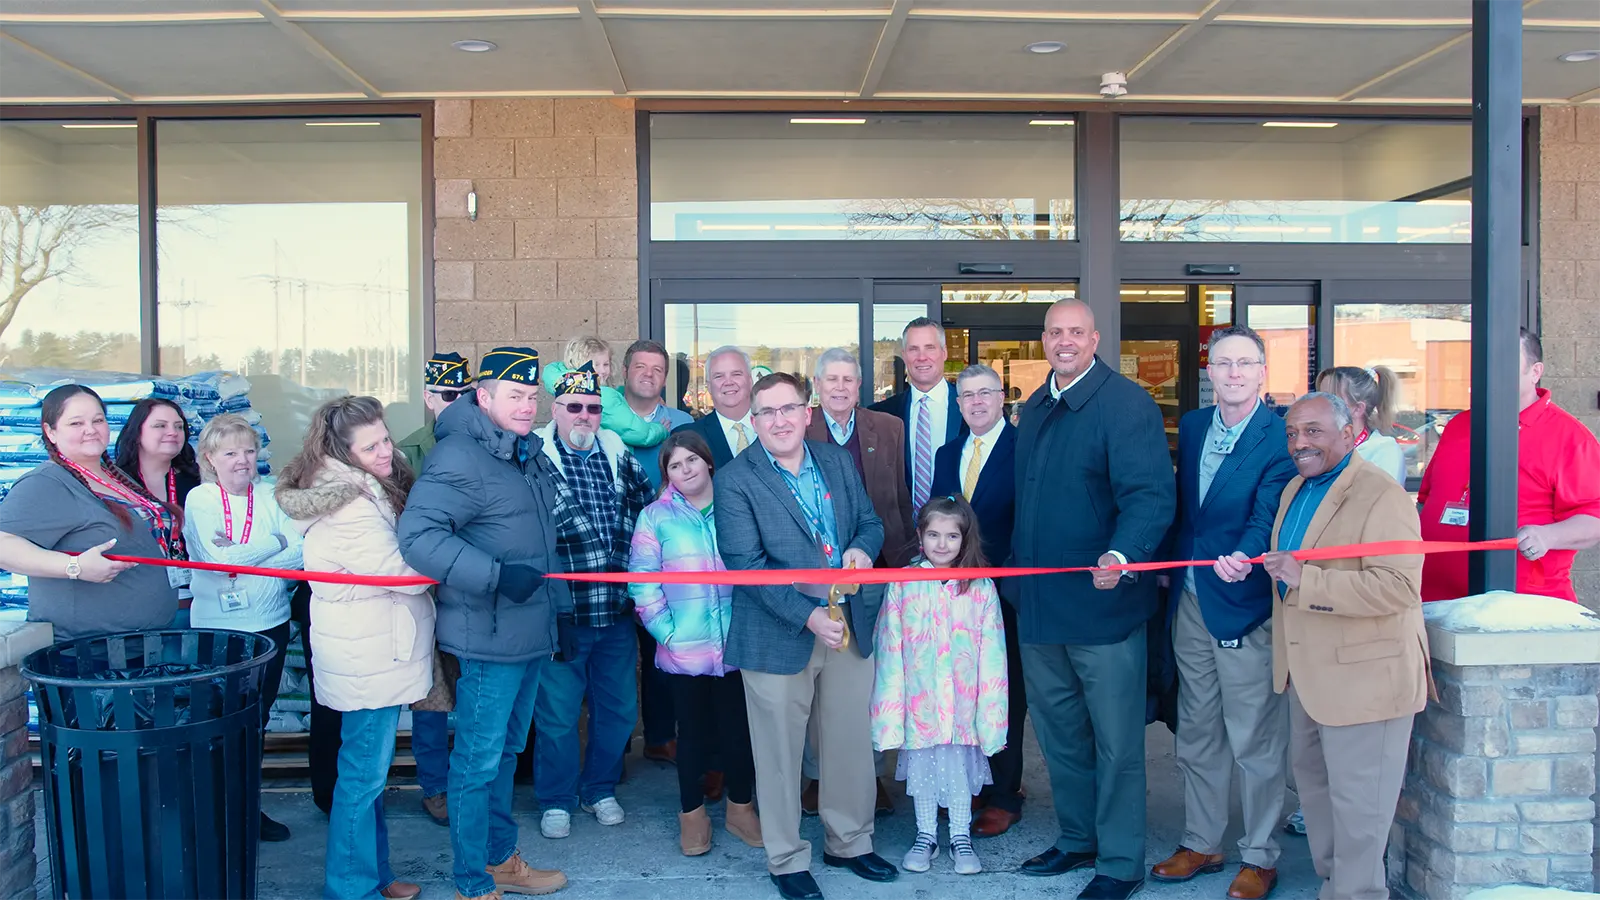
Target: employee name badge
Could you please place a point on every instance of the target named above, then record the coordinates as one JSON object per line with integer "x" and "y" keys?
{"x": 179, "y": 578}
{"x": 1454, "y": 513}
{"x": 234, "y": 598}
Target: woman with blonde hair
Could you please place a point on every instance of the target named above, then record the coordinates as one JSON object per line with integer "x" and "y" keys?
{"x": 373, "y": 645}
{"x": 1371, "y": 395}
{"x": 226, "y": 520}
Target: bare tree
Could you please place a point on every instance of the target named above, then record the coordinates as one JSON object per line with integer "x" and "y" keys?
{"x": 38, "y": 243}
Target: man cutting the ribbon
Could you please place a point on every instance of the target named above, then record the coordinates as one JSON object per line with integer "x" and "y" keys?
{"x": 798, "y": 504}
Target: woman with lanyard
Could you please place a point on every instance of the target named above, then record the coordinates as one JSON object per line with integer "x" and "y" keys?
{"x": 228, "y": 521}
{"x": 154, "y": 448}
{"x": 1370, "y": 394}
{"x": 59, "y": 521}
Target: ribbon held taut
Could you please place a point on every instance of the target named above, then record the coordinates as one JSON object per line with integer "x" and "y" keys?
{"x": 780, "y": 577}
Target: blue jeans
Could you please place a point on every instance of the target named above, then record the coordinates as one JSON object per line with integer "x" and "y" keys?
{"x": 430, "y": 744}
{"x": 604, "y": 667}
{"x": 357, "y": 866}
{"x": 494, "y": 705}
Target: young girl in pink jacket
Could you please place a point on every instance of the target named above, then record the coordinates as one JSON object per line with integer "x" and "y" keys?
{"x": 941, "y": 688}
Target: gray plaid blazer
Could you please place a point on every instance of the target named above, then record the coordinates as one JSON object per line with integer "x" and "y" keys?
{"x": 760, "y": 526}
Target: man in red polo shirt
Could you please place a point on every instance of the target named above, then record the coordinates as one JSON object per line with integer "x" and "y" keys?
{"x": 1558, "y": 492}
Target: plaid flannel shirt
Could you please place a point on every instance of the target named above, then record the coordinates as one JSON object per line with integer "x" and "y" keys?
{"x": 594, "y": 527}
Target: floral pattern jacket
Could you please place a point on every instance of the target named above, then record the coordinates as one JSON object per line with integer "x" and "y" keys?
{"x": 941, "y": 667}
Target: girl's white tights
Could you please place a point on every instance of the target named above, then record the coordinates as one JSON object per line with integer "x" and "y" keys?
{"x": 928, "y": 817}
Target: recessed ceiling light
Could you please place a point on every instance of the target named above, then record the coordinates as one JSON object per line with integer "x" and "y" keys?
{"x": 1581, "y": 56}
{"x": 815, "y": 120}
{"x": 1049, "y": 121}
{"x": 102, "y": 125}
{"x": 473, "y": 45}
{"x": 1046, "y": 47}
{"x": 1298, "y": 124}
{"x": 339, "y": 124}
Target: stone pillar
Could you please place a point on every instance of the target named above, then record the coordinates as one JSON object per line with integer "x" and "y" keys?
{"x": 1502, "y": 770}
{"x": 17, "y": 864}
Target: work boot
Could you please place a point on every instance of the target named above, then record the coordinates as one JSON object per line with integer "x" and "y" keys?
{"x": 514, "y": 876}
{"x": 492, "y": 895}
{"x": 694, "y": 832}
{"x": 438, "y": 808}
{"x": 743, "y": 823}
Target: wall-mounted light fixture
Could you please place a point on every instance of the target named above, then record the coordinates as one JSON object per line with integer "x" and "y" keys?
{"x": 472, "y": 203}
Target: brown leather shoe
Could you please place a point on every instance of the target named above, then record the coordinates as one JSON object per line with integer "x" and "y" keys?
{"x": 1253, "y": 883}
{"x": 492, "y": 895}
{"x": 711, "y": 783}
{"x": 979, "y": 803}
{"x": 438, "y": 808}
{"x": 515, "y": 876}
{"x": 885, "y": 806}
{"x": 994, "y": 821}
{"x": 667, "y": 753}
{"x": 808, "y": 798}
{"x": 1186, "y": 864}
{"x": 400, "y": 890}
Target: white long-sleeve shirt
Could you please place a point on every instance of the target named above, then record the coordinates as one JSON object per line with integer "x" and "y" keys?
{"x": 267, "y": 598}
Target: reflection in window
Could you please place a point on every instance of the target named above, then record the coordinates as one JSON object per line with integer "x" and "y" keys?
{"x": 1333, "y": 181}
{"x": 1290, "y": 333}
{"x": 780, "y": 337}
{"x": 888, "y": 324}
{"x": 748, "y": 177}
{"x": 69, "y": 246}
{"x": 290, "y": 254}
{"x": 1429, "y": 347}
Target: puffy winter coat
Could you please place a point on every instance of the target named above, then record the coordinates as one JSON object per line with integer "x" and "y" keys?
{"x": 374, "y": 645}
{"x": 688, "y": 621}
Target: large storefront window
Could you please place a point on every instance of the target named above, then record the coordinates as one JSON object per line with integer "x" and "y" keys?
{"x": 780, "y": 337}
{"x": 861, "y": 177}
{"x": 69, "y": 246}
{"x": 1291, "y": 180}
{"x": 1429, "y": 349}
{"x": 290, "y": 255}
{"x": 889, "y": 322}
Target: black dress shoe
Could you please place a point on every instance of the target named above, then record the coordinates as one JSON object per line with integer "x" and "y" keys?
{"x": 797, "y": 886}
{"x": 1054, "y": 862}
{"x": 870, "y": 866}
{"x": 273, "y": 832}
{"x": 1104, "y": 887}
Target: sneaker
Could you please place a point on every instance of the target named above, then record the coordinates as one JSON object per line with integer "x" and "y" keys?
{"x": 1296, "y": 823}
{"x": 922, "y": 853}
{"x": 966, "y": 858}
{"x": 606, "y": 812}
{"x": 555, "y": 824}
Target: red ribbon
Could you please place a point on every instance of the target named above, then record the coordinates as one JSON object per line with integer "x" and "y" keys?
{"x": 841, "y": 576}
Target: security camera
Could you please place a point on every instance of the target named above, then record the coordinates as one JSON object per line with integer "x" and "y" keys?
{"x": 1113, "y": 84}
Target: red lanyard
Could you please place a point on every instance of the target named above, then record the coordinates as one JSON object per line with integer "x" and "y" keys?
{"x": 172, "y": 486}
{"x": 157, "y": 515}
{"x": 249, "y": 513}
{"x": 1362, "y": 437}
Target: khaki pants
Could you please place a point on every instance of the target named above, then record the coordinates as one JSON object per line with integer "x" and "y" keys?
{"x": 1227, "y": 714}
{"x": 1349, "y": 778}
{"x": 834, "y": 691}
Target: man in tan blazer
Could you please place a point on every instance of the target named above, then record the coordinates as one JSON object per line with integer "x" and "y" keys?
{"x": 1347, "y": 644}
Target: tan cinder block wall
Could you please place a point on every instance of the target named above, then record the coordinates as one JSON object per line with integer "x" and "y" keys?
{"x": 1569, "y": 277}
{"x": 554, "y": 251}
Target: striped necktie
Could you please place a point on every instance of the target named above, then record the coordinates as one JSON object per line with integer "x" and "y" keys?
{"x": 969, "y": 481}
{"x": 922, "y": 458}
{"x": 744, "y": 438}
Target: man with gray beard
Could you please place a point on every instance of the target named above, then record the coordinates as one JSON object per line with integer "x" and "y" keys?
{"x": 600, "y": 491}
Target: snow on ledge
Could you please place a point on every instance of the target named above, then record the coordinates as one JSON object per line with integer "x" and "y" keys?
{"x": 1504, "y": 611}
{"x": 1527, "y": 892}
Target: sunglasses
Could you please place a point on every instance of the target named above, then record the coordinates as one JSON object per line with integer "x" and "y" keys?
{"x": 451, "y": 396}
{"x": 592, "y": 409}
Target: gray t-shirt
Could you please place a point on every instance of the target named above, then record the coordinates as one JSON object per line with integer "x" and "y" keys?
{"x": 55, "y": 511}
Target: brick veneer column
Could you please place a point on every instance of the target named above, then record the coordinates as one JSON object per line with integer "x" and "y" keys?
{"x": 1502, "y": 770}
{"x": 554, "y": 250}
{"x": 17, "y": 861}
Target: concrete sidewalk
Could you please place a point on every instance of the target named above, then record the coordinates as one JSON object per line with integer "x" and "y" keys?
{"x": 640, "y": 858}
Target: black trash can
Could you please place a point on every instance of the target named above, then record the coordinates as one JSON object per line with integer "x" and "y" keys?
{"x": 151, "y": 750}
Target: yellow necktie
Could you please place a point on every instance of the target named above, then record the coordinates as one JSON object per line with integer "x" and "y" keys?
{"x": 744, "y": 439}
{"x": 969, "y": 481}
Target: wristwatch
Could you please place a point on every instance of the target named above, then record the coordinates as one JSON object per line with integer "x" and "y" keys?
{"x": 73, "y": 569}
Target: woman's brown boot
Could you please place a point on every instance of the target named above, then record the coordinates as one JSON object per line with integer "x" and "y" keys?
{"x": 694, "y": 832}
{"x": 743, "y": 823}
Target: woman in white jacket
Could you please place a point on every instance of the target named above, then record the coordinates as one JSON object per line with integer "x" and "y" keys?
{"x": 373, "y": 645}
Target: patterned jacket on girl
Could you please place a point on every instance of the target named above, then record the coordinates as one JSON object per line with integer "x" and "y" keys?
{"x": 688, "y": 621}
{"x": 941, "y": 667}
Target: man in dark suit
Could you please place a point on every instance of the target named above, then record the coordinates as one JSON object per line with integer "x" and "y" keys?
{"x": 797, "y": 504}
{"x": 1094, "y": 488}
{"x": 1233, "y": 464}
{"x": 982, "y": 468}
{"x": 927, "y": 406}
{"x": 727, "y": 429}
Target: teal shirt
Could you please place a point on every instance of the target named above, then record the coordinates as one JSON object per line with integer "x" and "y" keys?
{"x": 1303, "y": 508}
{"x": 816, "y": 502}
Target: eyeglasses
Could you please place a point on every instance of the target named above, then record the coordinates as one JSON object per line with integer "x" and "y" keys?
{"x": 980, "y": 394}
{"x": 451, "y": 396}
{"x": 592, "y": 409}
{"x": 787, "y": 411}
{"x": 1243, "y": 365}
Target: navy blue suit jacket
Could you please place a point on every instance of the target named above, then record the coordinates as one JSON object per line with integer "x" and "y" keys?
{"x": 995, "y": 498}
{"x": 1237, "y": 514}
{"x": 709, "y": 427}
{"x": 899, "y": 406}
